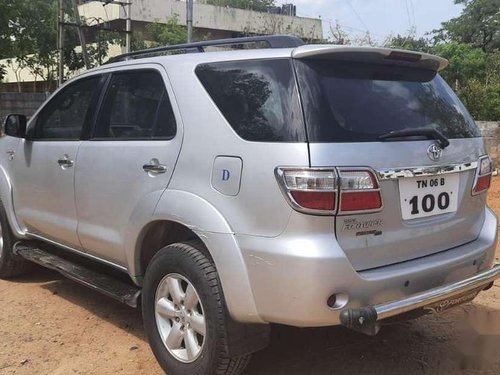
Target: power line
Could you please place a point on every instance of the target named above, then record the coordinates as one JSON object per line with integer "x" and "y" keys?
{"x": 357, "y": 15}
{"x": 407, "y": 12}
{"x": 333, "y": 22}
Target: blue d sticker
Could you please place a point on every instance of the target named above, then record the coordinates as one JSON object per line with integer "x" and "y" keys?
{"x": 225, "y": 175}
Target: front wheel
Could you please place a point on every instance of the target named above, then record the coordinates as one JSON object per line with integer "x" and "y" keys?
{"x": 184, "y": 313}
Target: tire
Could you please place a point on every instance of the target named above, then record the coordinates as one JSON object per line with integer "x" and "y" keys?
{"x": 10, "y": 264}
{"x": 184, "y": 264}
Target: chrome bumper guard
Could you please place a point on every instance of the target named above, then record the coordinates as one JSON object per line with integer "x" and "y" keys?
{"x": 366, "y": 320}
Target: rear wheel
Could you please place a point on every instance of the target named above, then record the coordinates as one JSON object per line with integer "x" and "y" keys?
{"x": 184, "y": 313}
{"x": 10, "y": 264}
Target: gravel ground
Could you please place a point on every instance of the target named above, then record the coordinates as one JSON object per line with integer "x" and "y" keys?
{"x": 50, "y": 325}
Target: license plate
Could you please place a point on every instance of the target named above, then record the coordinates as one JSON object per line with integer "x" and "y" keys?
{"x": 428, "y": 196}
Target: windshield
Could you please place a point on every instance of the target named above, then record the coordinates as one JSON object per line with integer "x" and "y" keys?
{"x": 357, "y": 102}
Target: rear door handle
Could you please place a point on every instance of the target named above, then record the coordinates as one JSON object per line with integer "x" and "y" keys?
{"x": 154, "y": 167}
{"x": 65, "y": 162}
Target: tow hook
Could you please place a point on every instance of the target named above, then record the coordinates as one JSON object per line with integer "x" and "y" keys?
{"x": 362, "y": 320}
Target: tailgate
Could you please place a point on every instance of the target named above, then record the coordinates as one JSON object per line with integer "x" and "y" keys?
{"x": 377, "y": 239}
{"x": 399, "y": 119}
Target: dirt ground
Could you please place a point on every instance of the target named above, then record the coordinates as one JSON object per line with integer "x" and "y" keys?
{"x": 50, "y": 325}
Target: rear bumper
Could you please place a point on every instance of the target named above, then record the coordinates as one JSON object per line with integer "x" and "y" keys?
{"x": 437, "y": 299}
{"x": 293, "y": 275}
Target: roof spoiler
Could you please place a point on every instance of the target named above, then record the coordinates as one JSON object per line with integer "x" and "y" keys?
{"x": 386, "y": 56}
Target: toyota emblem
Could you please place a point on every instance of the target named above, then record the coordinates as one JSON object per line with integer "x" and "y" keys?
{"x": 434, "y": 152}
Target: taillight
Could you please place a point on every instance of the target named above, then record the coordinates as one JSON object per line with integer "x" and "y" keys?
{"x": 327, "y": 192}
{"x": 482, "y": 179}
{"x": 310, "y": 190}
{"x": 359, "y": 192}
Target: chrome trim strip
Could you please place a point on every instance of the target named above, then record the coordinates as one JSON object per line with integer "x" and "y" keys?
{"x": 394, "y": 174}
{"x": 79, "y": 252}
{"x": 431, "y": 296}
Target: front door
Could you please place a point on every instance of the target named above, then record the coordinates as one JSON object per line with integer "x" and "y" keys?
{"x": 128, "y": 161}
{"x": 44, "y": 166}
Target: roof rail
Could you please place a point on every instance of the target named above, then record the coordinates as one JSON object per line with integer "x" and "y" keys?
{"x": 274, "y": 41}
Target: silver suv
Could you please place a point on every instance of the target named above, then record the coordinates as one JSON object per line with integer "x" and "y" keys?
{"x": 305, "y": 185}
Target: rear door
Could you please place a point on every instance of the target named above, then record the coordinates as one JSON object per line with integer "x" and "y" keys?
{"x": 426, "y": 188}
{"x": 128, "y": 161}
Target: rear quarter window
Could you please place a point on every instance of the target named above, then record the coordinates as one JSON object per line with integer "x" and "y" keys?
{"x": 259, "y": 99}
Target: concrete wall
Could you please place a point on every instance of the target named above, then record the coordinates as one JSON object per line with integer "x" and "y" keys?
{"x": 491, "y": 134}
{"x": 22, "y": 103}
{"x": 208, "y": 17}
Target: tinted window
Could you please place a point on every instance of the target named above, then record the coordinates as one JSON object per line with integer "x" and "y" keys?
{"x": 65, "y": 115}
{"x": 356, "y": 102}
{"x": 136, "y": 106}
{"x": 259, "y": 99}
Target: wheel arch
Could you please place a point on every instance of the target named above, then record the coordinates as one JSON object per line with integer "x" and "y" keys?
{"x": 182, "y": 216}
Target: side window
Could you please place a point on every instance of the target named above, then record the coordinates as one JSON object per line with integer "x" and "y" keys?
{"x": 64, "y": 116}
{"x": 259, "y": 99}
{"x": 136, "y": 106}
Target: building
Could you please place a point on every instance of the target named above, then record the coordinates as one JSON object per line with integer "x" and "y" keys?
{"x": 218, "y": 22}
{"x": 208, "y": 20}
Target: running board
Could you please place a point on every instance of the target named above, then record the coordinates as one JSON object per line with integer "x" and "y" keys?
{"x": 99, "y": 282}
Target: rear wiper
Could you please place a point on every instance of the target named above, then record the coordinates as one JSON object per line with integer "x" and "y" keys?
{"x": 429, "y": 133}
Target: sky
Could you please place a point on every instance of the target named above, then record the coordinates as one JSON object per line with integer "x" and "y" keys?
{"x": 380, "y": 17}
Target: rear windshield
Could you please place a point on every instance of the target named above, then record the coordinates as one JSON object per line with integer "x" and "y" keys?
{"x": 259, "y": 98}
{"x": 356, "y": 102}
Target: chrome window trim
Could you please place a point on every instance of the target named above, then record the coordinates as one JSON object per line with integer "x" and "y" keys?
{"x": 394, "y": 174}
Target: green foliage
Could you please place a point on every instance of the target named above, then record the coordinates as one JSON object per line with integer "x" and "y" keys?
{"x": 478, "y": 25}
{"x": 171, "y": 32}
{"x": 466, "y": 62}
{"x": 29, "y": 38}
{"x": 258, "y": 5}
{"x": 471, "y": 43}
{"x": 6, "y": 14}
{"x": 409, "y": 43}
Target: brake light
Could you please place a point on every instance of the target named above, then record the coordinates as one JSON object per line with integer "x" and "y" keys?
{"x": 482, "y": 180}
{"x": 359, "y": 192}
{"x": 315, "y": 200}
{"x": 327, "y": 192}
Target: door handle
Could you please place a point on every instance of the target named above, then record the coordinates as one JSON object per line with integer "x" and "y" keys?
{"x": 154, "y": 167}
{"x": 65, "y": 162}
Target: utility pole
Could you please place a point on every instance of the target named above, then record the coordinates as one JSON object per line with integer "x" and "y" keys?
{"x": 189, "y": 20}
{"x": 127, "y": 7}
{"x": 81, "y": 35}
{"x": 128, "y": 36}
{"x": 60, "y": 41}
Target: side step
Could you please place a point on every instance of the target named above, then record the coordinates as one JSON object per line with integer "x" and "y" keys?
{"x": 100, "y": 282}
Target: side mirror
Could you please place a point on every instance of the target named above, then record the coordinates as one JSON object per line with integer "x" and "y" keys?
{"x": 15, "y": 126}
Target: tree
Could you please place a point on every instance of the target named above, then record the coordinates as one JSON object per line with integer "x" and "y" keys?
{"x": 338, "y": 35}
{"x": 32, "y": 36}
{"x": 258, "y": 5}
{"x": 466, "y": 62}
{"x": 409, "y": 43}
{"x": 6, "y": 13}
{"x": 478, "y": 25}
{"x": 171, "y": 32}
